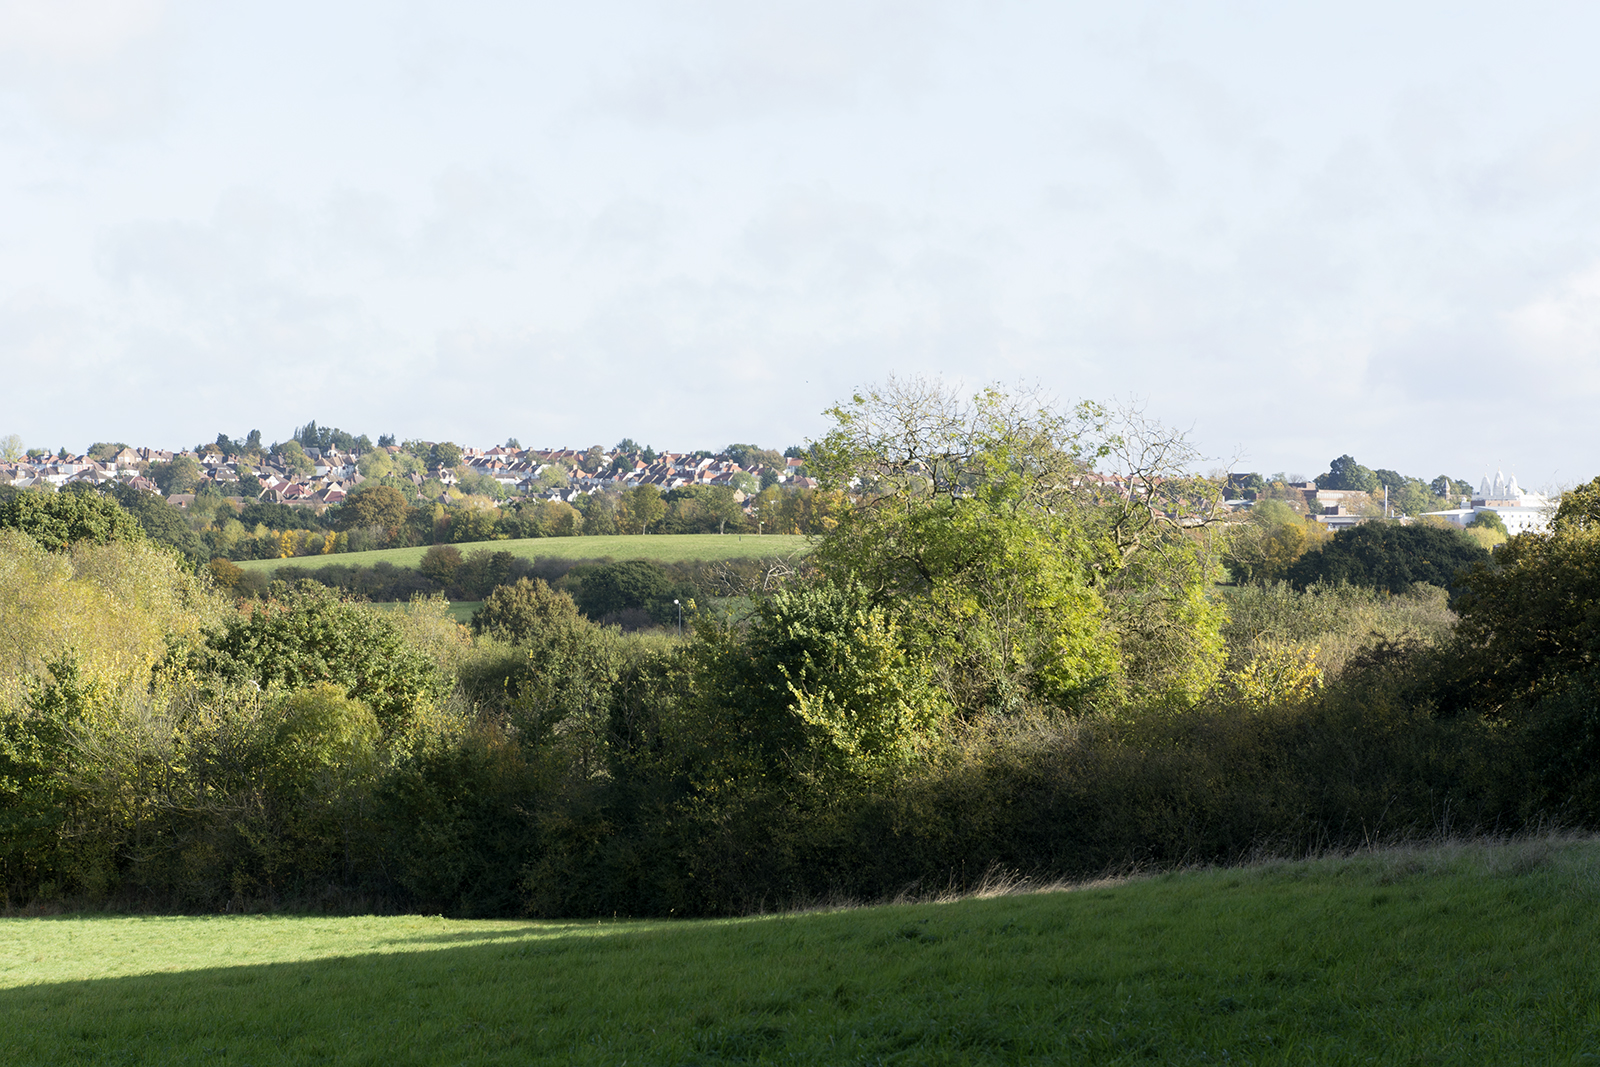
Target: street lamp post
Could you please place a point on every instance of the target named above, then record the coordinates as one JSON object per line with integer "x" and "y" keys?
{"x": 680, "y": 616}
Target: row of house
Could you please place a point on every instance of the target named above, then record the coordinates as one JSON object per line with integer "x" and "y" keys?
{"x": 557, "y": 474}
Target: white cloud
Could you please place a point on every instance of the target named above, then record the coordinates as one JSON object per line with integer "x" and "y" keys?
{"x": 97, "y": 65}
{"x": 733, "y": 61}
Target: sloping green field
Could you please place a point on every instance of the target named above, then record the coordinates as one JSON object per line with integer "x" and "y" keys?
{"x": 1462, "y": 954}
{"x": 662, "y": 548}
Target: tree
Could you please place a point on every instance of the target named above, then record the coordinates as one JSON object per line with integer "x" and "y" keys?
{"x": 645, "y": 507}
{"x": 748, "y": 456}
{"x": 962, "y": 528}
{"x": 372, "y": 505}
{"x": 1386, "y": 555}
{"x": 523, "y": 610}
{"x": 101, "y": 451}
{"x": 293, "y": 458}
{"x": 249, "y": 486}
{"x": 1579, "y": 509}
{"x": 820, "y": 682}
{"x": 11, "y": 448}
{"x": 310, "y": 636}
{"x": 446, "y": 455}
{"x": 1346, "y": 473}
{"x": 599, "y": 513}
{"x": 609, "y": 589}
{"x": 701, "y": 509}
{"x": 440, "y": 563}
{"x": 1488, "y": 520}
{"x": 57, "y": 520}
{"x": 1261, "y": 551}
{"x": 1530, "y": 618}
{"x": 161, "y": 522}
{"x": 181, "y": 475}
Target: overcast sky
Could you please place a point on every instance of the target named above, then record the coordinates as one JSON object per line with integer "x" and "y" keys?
{"x": 1298, "y": 230}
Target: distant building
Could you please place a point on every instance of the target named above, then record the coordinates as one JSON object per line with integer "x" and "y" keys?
{"x": 1521, "y": 511}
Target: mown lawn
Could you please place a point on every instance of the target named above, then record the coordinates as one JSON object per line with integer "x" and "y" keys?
{"x": 662, "y": 548}
{"x": 1455, "y": 955}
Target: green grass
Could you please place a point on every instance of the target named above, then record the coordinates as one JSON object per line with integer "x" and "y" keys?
{"x": 460, "y": 610}
{"x": 1453, "y": 955}
{"x": 662, "y": 548}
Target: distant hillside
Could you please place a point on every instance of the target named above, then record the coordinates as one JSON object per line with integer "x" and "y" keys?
{"x": 662, "y": 548}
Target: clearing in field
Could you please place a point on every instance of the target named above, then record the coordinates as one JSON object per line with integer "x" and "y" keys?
{"x": 661, "y": 548}
{"x": 1475, "y": 953}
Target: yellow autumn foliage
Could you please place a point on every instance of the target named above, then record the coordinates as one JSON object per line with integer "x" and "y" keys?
{"x": 110, "y": 607}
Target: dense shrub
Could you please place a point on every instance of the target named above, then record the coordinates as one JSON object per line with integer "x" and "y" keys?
{"x": 1387, "y": 555}
{"x": 310, "y": 636}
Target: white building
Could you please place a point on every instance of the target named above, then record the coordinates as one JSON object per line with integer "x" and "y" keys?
{"x": 1520, "y": 510}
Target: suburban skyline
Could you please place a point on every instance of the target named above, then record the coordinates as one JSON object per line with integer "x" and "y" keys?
{"x": 1340, "y": 229}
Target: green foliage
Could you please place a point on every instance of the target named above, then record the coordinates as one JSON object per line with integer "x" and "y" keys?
{"x": 324, "y": 437}
{"x": 519, "y": 612}
{"x": 644, "y": 508}
{"x": 962, "y": 532}
{"x": 161, "y": 521}
{"x": 1346, "y": 473}
{"x": 1388, "y": 556}
{"x": 1530, "y": 618}
{"x": 819, "y": 682}
{"x": 372, "y": 505}
{"x": 1579, "y": 508}
{"x": 440, "y": 563}
{"x": 446, "y": 455}
{"x": 321, "y": 734}
{"x": 181, "y": 474}
{"x": 461, "y": 825}
{"x": 293, "y": 458}
{"x": 701, "y": 509}
{"x": 607, "y": 590}
{"x": 1262, "y": 550}
{"x": 1488, "y": 520}
{"x": 57, "y": 520}
{"x": 309, "y": 636}
{"x": 1342, "y": 623}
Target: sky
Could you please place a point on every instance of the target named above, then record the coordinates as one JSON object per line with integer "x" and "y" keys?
{"x": 1292, "y": 231}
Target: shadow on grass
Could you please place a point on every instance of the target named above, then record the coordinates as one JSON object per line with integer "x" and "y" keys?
{"x": 488, "y": 1003}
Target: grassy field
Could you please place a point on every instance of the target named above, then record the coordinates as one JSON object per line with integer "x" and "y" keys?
{"x": 1460, "y": 954}
{"x": 663, "y": 548}
{"x": 460, "y": 610}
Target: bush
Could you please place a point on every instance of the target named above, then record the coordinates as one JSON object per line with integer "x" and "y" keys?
{"x": 1386, "y": 555}
{"x": 311, "y": 636}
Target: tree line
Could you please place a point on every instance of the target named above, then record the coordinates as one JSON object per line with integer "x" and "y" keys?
{"x": 994, "y": 659}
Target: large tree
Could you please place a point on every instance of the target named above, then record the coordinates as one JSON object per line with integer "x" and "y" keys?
{"x": 372, "y": 505}
{"x": 1387, "y": 555}
{"x": 56, "y": 520}
{"x": 1346, "y": 473}
{"x": 1011, "y": 568}
{"x": 181, "y": 474}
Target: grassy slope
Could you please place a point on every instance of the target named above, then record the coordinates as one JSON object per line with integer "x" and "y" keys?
{"x": 1456, "y": 955}
{"x": 664, "y": 548}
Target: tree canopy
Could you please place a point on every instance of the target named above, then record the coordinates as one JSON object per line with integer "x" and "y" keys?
{"x": 57, "y": 520}
{"x": 1387, "y": 555}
